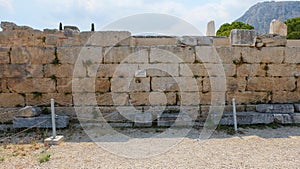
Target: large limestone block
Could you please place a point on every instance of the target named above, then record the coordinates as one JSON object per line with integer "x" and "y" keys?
{"x": 29, "y": 111}
{"x": 172, "y": 54}
{"x": 32, "y": 55}
{"x": 278, "y": 27}
{"x": 164, "y": 84}
{"x": 130, "y": 84}
{"x": 30, "y": 85}
{"x": 292, "y": 55}
{"x": 284, "y": 70}
{"x": 283, "y": 118}
{"x": 195, "y": 41}
{"x": 271, "y": 84}
{"x": 109, "y": 38}
{"x": 226, "y": 55}
{"x": 45, "y": 98}
{"x": 242, "y": 37}
{"x": 153, "y": 41}
{"x": 162, "y": 99}
{"x": 61, "y": 70}
{"x": 248, "y": 97}
{"x": 11, "y": 100}
{"x": 275, "y": 108}
{"x": 126, "y": 55}
{"x": 270, "y": 40}
{"x": 286, "y": 97}
{"x": 265, "y": 55}
{"x": 251, "y": 70}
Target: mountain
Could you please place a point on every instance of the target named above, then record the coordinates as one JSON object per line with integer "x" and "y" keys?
{"x": 261, "y": 14}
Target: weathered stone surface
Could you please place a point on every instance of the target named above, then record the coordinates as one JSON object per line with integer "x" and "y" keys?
{"x": 108, "y": 38}
{"x": 153, "y": 41}
{"x": 293, "y": 43}
{"x": 172, "y": 54}
{"x": 292, "y": 55}
{"x": 62, "y": 70}
{"x": 271, "y": 84}
{"x": 7, "y": 114}
{"x": 193, "y": 70}
{"x": 164, "y": 84}
{"x": 143, "y": 120}
{"x": 62, "y": 99}
{"x": 174, "y": 119}
{"x": 160, "y": 98}
{"x": 30, "y": 85}
{"x": 158, "y": 70}
{"x": 102, "y": 85}
{"x": 195, "y": 41}
{"x": 13, "y": 70}
{"x": 247, "y": 118}
{"x": 4, "y": 55}
{"x": 232, "y": 84}
{"x": 297, "y": 107}
{"x": 29, "y": 111}
{"x": 285, "y": 97}
{"x": 278, "y": 27}
{"x": 210, "y": 29}
{"x": 11, "y": 100}
{"x": 275, "y": 108}
{"x": 32, "y": 55}
{"x": 248, "y": 97}
{"x": 34, "y": 70}
{"x": 221, "y": 41}
{"x": 116, "y": 99}
{"x": 126, "y": 55}
{"x": 271, "y": 40}
{"x": 251, "y": 70}
{"x": 190, "y": 98}
{"x": 242, "y": 37}
{"x": 283, "y": 118}
{"x": 228, "y": 55}
{"x": 296, "y": 117}
{"x": 42, "y": 121}
{"x": 130, "y": 84}
{"x": 7, "y": 26}
{"x": 286, "y": 70}
{"x": 68, "y": 55}
{"x": 264, "y": 55}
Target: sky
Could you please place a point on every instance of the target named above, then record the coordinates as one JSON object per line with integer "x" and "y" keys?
{"x": 41, "y": 14}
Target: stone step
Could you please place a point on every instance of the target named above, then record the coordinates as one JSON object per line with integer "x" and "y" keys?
{"x": 42, "y": 121}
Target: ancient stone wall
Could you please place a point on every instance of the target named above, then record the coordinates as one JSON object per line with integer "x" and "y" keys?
{"x": 38, "y": 65}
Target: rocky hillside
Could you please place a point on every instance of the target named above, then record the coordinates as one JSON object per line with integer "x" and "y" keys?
{"x": 261, "y": 14}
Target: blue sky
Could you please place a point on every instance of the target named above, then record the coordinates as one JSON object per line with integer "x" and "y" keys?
{"x": 41, "y": 14}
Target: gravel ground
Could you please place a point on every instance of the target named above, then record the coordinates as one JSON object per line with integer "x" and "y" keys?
{"x": 254, "y": 148}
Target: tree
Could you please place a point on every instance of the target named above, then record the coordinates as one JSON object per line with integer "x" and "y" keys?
{"x": 293, "y": 26}
{"x": 226, "y": 28}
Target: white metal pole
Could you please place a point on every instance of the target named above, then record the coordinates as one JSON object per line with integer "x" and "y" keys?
{"x": 53, "y": 119}
{"x": 234, "y": 116}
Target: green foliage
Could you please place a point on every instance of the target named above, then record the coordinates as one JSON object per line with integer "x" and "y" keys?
{"x": 293, "y": 26}
{"x": 226, "y": 28}
{"x": 44, "y": 157}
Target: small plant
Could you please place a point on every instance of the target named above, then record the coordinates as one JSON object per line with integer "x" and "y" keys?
{"x": 45, "y": 110}
{"x": 44, "y": 157}
{"x": 37, "y": 94}
{"x": 2, "y": 159}
{"x": 54, "y": 78}
{"x": 55, "y": 61}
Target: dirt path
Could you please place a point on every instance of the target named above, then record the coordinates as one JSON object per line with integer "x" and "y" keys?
{"x": 256, "y": 148}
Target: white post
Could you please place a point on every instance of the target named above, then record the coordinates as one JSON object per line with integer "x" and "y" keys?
{"x": 234, "y": 116}
{"x": 53, "y": 119}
